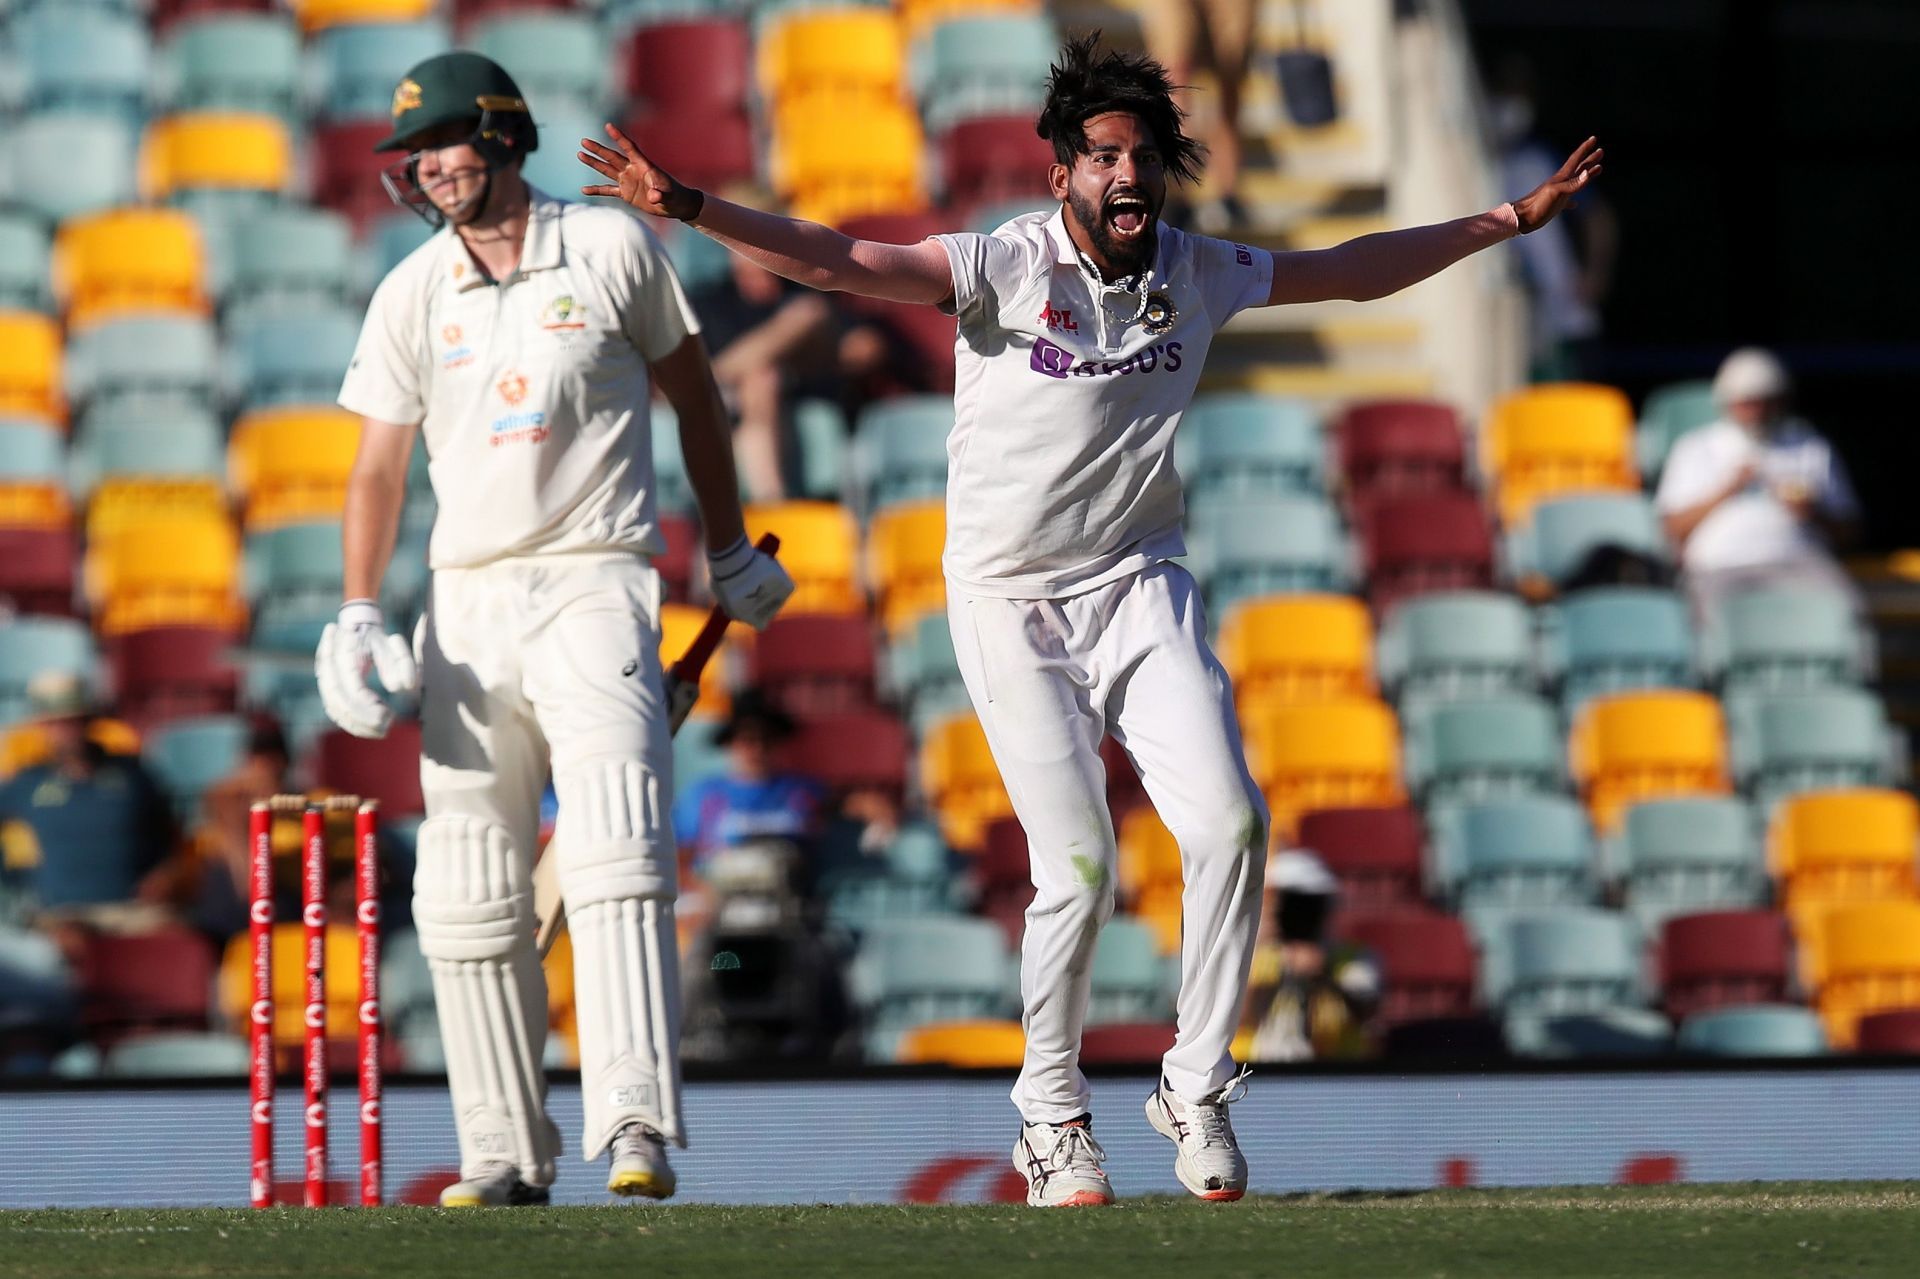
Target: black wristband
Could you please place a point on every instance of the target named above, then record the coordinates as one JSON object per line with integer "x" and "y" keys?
{"x": 699, "y": 203}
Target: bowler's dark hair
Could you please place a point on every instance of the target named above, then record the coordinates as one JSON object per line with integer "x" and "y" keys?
{"x": 1084, "y": 84}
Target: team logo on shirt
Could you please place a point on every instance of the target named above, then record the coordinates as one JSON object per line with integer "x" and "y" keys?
{"x": 512, "y": 387}
{"x": 563, "y": 313}
{"x": 1058, "y": 319}
{"x": 1057, "y": 361}
{"x": 1159, "y": 314}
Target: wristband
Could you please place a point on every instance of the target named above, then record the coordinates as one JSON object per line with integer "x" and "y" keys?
{"x": 699, "y": 203}
{"x": 356, "y": 613}
{"x": 732, "y": 561}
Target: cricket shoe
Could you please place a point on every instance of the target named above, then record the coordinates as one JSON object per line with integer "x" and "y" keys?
{"x": 493, "y": 1185}
{"x": 1208, "y": 1162}
{"x": 1061, "y": 1163}
{"x": 640, "y": 1164}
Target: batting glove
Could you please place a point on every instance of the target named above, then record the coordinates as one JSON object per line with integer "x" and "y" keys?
{"x": 750, "y": 584}
{"x": 351, "y": 648}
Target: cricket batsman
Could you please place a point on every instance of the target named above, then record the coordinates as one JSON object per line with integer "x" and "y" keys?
{"x": 522, "y": 343}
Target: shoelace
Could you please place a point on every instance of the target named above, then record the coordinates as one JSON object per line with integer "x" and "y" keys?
{"x": 1209, "y": 1117}
{"x": 1080, "y": 1148}
{"x": 634, "y": 1139}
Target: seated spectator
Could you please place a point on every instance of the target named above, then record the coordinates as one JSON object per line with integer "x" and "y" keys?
{"x": 209, "y": 885}
{"x": 751, "y": 801}
{"x": 87, "y": 833}
{"x": 1757, "y": 497}
{"x": 1307, "y": 998}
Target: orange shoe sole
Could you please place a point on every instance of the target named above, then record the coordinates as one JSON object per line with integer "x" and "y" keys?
{"x": 1221, "y": 1196}
{"x": 1084, "y": 1199}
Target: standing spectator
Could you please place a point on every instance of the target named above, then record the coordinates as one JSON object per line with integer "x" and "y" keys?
{"x": 752, "y": 800}
{"x": 1185, "y": 36}
{"x": 1756, "y": 497}
{"x": 1306, "y": 998}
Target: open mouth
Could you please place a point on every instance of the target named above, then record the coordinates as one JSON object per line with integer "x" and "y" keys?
{"x": 1128, "y": 215}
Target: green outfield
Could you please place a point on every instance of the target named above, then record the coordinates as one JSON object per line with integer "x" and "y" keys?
{"x": 1855, "y": 1229}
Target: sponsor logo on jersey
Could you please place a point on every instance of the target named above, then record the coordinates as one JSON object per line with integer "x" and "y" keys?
{"x": 458, "y": 354}
{"x": 1058, "y": 319}
{"x": 1242, "y": 255}
{"x": 1057, "y": 361}
{"x": 512, "y": 387}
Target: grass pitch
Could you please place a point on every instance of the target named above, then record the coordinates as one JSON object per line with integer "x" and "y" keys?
{"x": 1786, "y": 1229}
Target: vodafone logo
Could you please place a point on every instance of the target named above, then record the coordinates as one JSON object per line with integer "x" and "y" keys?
{"x": 370, "y": 1114}
{"x": 316, "y": 1114}
{"x": 316, "y": 1017}
{"x": 262, "y": 1012}
{"x": 314, "y": 916}
{"x": 369, "y": 1012}
{"x": 368, "y": 912}
{"x": 259, "y": 1188}
{"x": 261, "y": 911}
{"x": 263, "y": 1111}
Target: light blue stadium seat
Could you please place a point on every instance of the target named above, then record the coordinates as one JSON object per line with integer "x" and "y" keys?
{"x": 36, "y": 986}
{"x": 406, "y": 980}
{"x": 179, "y": 1055}
{"x": 1786, "y": 640}
{"x": 673, "y": 494}
{"x": 1754, "y": 1030}
{"x": 994, "y": 64}
{"x": 1613, "y": 639}
{"x": 31, "y": 454}
{"x": 188, "y": 755}
{"x": 562, "y": 62}
{"x": 287, "y": 255}
{"x": 1233, "y": 446}
{"x": 294, "y": 577}
{"x": 1669, "y": 413}
{"x": 991, "y": 217}
{"x": 696, "y": 756}
{"x": 820, "y": 434}
{"x": 24, "y": 249}
{"x": 1787, "y": 743}
{"x": 286, "y": 354}
{"x": 1500, "y": 858}
{"x": 910, "y": 971}
{"x": 179, "y": 445}
{"x": 900, "y": 450}
{"x": 1564, "y": 531}
{"x": 1245, "y": 548}
{"x": 623, "y": 17}
{"x": 1687, "y": 855}
{"x": 1600, "y": 1033}
{"x": 1489, "y": 748}
{"x": 922, "y": 672}
{"x": 698, "y": 261}
{"x": 29, "y": 645}
{"x": 83, "y": 57}
{"x": 355, "y": 66}
{"x": 1570, "y": 961}
{"x": 235, "y": 62}
{"x": 1130, "y": 981}
{"x": 555, "y": 167}
{"x": 144, "y": 364}
{"x": 1456, "y": 645}
{"x": 95, "y": 153}
{"x": 391, "y": 239}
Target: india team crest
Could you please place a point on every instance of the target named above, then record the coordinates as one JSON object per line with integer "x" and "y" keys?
{"x": 512, "y": 387}
{"x": 1159, "y": 313}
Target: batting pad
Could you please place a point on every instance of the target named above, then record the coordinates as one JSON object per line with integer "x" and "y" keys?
{"x": 473, "y": 911}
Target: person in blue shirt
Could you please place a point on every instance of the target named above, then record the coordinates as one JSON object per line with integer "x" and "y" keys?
{"x": 753, "y": 799}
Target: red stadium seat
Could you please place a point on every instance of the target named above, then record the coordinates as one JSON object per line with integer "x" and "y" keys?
{"x": 386, "y": 769}
{"x": 346, "y": 171}
{"x": 1723, "y": 957}
{"x": 897, "y": 228}
{"x": 675, "y": 564}
{"x": 468, "y": 12}
{"x": 990, "y": 159}
{"x": 1398, "y": 446}
{"x": 164, "y": 672}
{"x": 1373, "y": 852}
{"x": 168, "y": 12}
{"x": 162, "y": 978}
{"x": 817, "y": 664}
{"x": 36, "y": 570}
{"x": 1422, "y": 542}
{"x": 926, "y": 334}
{"x": 704, "y": 67}
{"x": 1004, "y": 878}
{"x": 864, "y": 751}
{"x": 711, "y": 149}
{"x": 1126, "y": 1043}
{"x": 1896, "y": 1032}
{"x": 1426, "y": 962}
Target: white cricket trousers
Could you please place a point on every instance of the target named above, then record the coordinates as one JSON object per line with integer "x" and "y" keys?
{"x": 1048, "y": 679}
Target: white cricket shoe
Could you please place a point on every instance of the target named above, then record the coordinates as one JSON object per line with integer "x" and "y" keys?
{"x": 492, "y": 1185}
{"x": 1061, "y": 1163}
{"x": 1209, "y": 1162}
{"x": 640, "y": 1164}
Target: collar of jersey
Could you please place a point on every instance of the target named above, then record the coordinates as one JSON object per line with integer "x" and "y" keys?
{"x": 540, "y": 253}
{"x": 1067, "y": 253}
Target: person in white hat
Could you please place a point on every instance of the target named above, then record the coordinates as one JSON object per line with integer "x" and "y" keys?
{"x": 1756, "y": 497}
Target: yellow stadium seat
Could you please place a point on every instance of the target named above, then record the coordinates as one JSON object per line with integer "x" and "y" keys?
{"x": 34, "y": 505}
{"x": 122, "y": 505}
{"x": 1558, "y": 438}
{"x": 1324, "y": 755}
{"x": 836, "y": 50}
{"x": 1634, "y": 746}
{"x": 1160, "y": 911}
{"x": 903, "y": 547}
{"x": 679, "y": 623}
{"x": 1298, "y": 648}
{"x": 317, "y": 15}
{"x": 1871, "y": 964}
{"x": 180, "y": 571}
{"x": 819, "y": 545}
{"x": 126, "y": 260}
{"x": 30, "y": 377}
{"x": 216, "y": 150}
{"x": 959, "y": 777}
{"x": 1842, "y": 848}
{"x": 1149, "y": 859}
{"x": 27, "y": 745}
{"x": 980, "y": 1044}
{"x": 235, "y": 982}
{"x": 289, "y": 465}
{"x": 919, "y": 15}
{"x": 819, "y": 154}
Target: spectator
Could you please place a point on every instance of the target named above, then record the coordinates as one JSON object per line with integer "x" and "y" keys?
{"x": 1756, "y": 497}
{"x": 87, "y": 832}
{"x": 1306, "y": 998}
{"x": 1186, "y": 36}
{"x": 752, "y": 801}
{"x": 209, "y": 884}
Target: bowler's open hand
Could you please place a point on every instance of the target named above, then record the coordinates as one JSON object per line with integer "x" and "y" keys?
{"x": 636, "y": 179}
{"x": 1540, "y": 206}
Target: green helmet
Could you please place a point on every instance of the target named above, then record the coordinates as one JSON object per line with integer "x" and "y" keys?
{"x": 451, "y": 87}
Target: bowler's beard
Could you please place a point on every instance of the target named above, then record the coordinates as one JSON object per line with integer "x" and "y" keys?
{"x": 1125, "y": 258}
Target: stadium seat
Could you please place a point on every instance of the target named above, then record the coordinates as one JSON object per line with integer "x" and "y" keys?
{"x": 1490, "y": 748}
{"x": 816, "y": 665}
{"x": 1002, "y": 878}
{"x": 1687, "y": 855}
{"x": 1895, "y": 1032}
{"x": 1562, "y": 533}
{"x": 1298, "y": 648}
{"x": 900, "y": 450}
{"x": 1129, "y": 980}
{"x": 1496, "y": 859}
{"x": 679, "y": 623}
{"x": 1785, "y": 640}
{"x": 830, "y": 173}
{"x": 386, "y": 769}
{"x": 234, "y": 985}
{"x": 1754, "y": 1030}
{"x": 559, "y": 59}
{"x": 926, "y": 336}
{"x": 160, "y": 978}
{"x": 37, "y": 568}
{"x": 1834, "y": 848}
{"x": 189, "y": 755}
{"x": 1233, "y": 446}
{"x": 714, "y": 148}
{"x": 1375, "y": 853}
{"x": 700, "y": 65}
{"x": 170, "y": 672}
{"x": 30, "y": 645}
{"x": 295, "y": 573}
{"x": 555, "y": 167}
{"x": 1456, "y": 645}
{"x": 179, "y": 1055}
{"x": 172, "y": 446}
{"x": 988, "y": 160}
{"x": 96, "y": 156}
{"x": 819, "y": 547}
{"x": 218, "y": 152}
{"x": 913, "y": 971}
{"x": 358, "y": 62}
{"x": 1426, "y": 962}
{"x": 180, "y": 571}
{"x": 1787, "y": 743}
{"x": 1569, "y": 961}
{"x": 1400, "y": 446}
{"x": 292, "y": 354}
{"x": 1614, "y": 1031}
{"x": 922, "y": 672}
{"x": 854, "y": 750}
{"x": 286, "y": 256}
{"x": 1616, "y": 639}
{"x": 1245, "y": 548}
{"x": 289, "y": 465}
{"x": 1558, "y": 438}
{"x": 318, "y": 15}
{"x": 904, "y": 549}
{"x": 975, "y": 1044}
{"x": 1626, "y": 747}
{"x": 1127, "y": 1043}
{"x": 1718, "y": 959}
{"x": 346, "y": 179}
{"x": 855, "y": 50}
{"x": 1323, "y": 755}
{"x": 31, "y": 454}
{"x": 80, "y": 56}
{"x": 960, "y": 780}
{"x": 151, "y": 366}
{"x": 1148, "y": 873}
{"x": 990, "y": 64}
{"x": 1416, "y": 543}
{"x": 234, "y": 62}
{"x": 121, "y": 261}
{"x": 1670, "y": 412}
{"x": 1871, "y": 964}
{"x": 25, "y": 246}
{"x": 30, "y": 373}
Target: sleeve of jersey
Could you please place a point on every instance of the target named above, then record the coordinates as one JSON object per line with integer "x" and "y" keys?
{"x": 987, "y": 270}
{"x": 1233, "y": 277}
{"x": 659, "y": 317}
{"x": 383, "y": 379}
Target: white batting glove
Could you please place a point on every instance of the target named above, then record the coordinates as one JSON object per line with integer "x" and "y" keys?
{"x": 750, "y": 584}
{"x": 351, "y": 648}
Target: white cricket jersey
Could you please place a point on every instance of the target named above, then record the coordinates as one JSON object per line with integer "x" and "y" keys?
{"x": 532, "y": 392}
{"x": 1060, "y": 465}
{"x": 1753, "y": 528}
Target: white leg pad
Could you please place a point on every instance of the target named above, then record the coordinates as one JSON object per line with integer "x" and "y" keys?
{"x": 618, "y": 876}
{"x": 473, "y": 910}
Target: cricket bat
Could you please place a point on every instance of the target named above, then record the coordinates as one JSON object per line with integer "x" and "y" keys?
{"x": 683, "y": 689}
